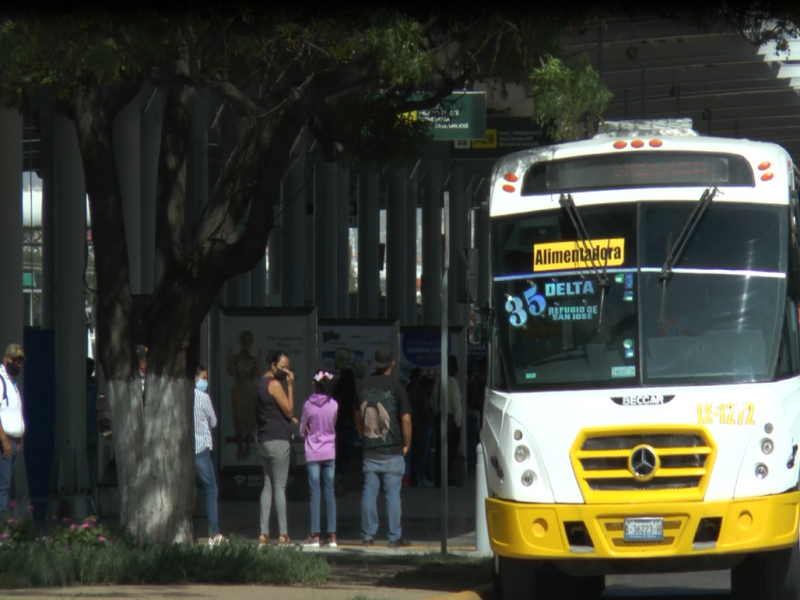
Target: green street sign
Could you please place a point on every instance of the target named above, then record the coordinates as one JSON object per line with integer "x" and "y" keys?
{"x": 504, "y": 135}
{"x": 461, "y": 116}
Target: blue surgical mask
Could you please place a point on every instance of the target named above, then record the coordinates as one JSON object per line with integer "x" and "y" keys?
{"x": 202, "y": 385}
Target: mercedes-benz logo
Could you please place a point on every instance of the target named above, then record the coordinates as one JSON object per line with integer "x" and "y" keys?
{"x": 643, "y": 463}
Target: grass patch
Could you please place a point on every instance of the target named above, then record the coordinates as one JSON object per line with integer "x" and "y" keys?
{"x": 39, "y": 564}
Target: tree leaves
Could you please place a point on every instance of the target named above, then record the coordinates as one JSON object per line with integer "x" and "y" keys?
{"x": 564, "y": 95}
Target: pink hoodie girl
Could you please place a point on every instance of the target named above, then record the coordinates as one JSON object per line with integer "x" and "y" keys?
{"x": 318, "y": 427}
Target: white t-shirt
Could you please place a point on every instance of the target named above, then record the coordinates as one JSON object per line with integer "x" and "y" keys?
{"x": 10, "y": 406}
{"x": 453, "y": 399}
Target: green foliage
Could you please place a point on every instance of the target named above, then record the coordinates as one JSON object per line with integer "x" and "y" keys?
{"x": 55, "y": 565}
{"x": 17, "y": 531}
{"x": 87, "y": 533}
{"x": 564, "y": 95}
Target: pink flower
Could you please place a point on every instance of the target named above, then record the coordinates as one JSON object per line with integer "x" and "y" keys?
{"x": 101, "y": 538}
{"x": 11, "y": 521}
{"x": 12, "y": 504}
{"x": 86, "y": 525}
{"x": 3, "y": 536}
{"x": 29, "y": 508}
{"x": 73, "y": 526}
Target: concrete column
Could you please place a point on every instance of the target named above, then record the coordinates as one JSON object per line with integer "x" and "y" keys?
{"x": 396, "y": 240}
{"x": 11, "y": 309}
{"x": 342, "y": 242}
{"x": 126, "y": 134}
{"x": 455, "y": 310}
{"x": 326, "y": 218}
{"x": 48, "y": 250}
{"x": 275, "y": 253}
{"x": 432, "y": 245}
{"x": 70, "y": 192}
{"x": 150, "y": 148}
{"x": 412, "y": 203}
{"x": 368, "y": 244}
{"x": 293, "y": 251}
{"x": 310, "y": 285}
{"x": 258, "y": 283}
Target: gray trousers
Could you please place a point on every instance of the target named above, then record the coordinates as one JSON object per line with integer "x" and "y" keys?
{"x": 274, "y": 457}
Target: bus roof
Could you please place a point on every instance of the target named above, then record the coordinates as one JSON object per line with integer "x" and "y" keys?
{"x": 772, "y": 166}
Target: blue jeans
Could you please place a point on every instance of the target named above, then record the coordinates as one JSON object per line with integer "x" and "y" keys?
{"x": 328, "y": 469}
{"x": 205, "y": 473}
{"x": 6, "y": 473}
{"x": 391, "y": 470}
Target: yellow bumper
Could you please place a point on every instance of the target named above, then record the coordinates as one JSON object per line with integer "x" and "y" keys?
{"x": 538, "y": 530}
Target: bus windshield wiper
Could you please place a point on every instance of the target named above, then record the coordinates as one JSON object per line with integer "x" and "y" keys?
{"x": 685, "y": 237}
{"x": 567, "y": 202}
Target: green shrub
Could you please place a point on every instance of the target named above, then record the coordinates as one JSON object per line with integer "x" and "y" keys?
{"x": 42, "y": 564}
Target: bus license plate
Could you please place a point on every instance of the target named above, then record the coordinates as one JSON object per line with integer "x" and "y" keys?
{"x": 644, "y": 529}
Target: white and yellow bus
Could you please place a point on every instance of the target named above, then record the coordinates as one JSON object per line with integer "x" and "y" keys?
{"x": 643, "y": 410}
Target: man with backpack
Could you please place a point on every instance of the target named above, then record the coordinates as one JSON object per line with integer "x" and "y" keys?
{"x": 12, "y": 424}
{"x": 383, "y": 420}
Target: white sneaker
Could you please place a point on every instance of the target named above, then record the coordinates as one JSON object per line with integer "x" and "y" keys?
{"x": 312, "y": 542}
{"x": 425, "y": 483}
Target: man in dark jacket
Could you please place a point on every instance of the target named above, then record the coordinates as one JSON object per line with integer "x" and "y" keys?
{"x": 383, "y": 419}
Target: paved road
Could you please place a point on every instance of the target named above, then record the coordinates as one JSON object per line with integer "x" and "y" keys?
{"x": 713, "y": 585}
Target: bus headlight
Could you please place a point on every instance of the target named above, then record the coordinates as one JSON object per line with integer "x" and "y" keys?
{"x": 521, "y": 454}
{"x": 528, "y": 478}
{"x": 767, "y": 446}
{"x": 761, "y": 471}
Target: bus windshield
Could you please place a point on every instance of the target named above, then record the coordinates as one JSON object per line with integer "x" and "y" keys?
{"x": 718, "y": 320}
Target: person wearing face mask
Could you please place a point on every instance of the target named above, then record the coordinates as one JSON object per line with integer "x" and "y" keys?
{"x": 12, "y": 424}
{"x": 275, "y": 418}
{"x": 204, "y": 421}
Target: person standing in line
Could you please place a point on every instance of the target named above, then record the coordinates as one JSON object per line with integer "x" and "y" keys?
{"x": 318, "y": 427}
{"x": 345, "y": 395}
{"x": 205, "y": 419}
{"x": 384, "y": 425}
{"x": 245, "y": 369}
{"x": 274, "y": 413}
{"x": 454, "y": 415}
{"x": 12, "y": 422}
{"x": 476, "y": 394}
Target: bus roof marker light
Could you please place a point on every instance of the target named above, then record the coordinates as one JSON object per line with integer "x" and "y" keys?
{"x": 510, "y": 177}
{"x": 509, "y": 188}
{"x": 620, "y": 144}
{"x": 637, "y": 143}
{"x": 764, "y": 165}
{"x": 656, "y": 143}
{"x": 767, "y": 176}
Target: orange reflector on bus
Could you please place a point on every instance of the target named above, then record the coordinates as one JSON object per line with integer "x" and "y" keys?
{"x": 620, "y": 144}
{"x": 637, "y": 143}
{"x": 655, "y": 143}
{"x": 508, "y": 188}
{"x": 767, "y": 176}
{"x": 510, "y": 177}
{"x": 764, "y": 165}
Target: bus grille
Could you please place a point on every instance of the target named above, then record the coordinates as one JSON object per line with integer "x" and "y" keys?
{"x": 601, "y": 459}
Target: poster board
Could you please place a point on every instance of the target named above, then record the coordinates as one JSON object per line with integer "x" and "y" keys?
{"x": 293, "y": 330}
{"x": 352, "y": 343}
{"x": 421, "y": 347}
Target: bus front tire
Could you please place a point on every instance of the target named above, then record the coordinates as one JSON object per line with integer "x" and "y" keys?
{"x": 771, "y": 575}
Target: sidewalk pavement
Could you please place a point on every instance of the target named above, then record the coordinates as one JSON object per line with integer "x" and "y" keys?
{"x": 421, "y": 522}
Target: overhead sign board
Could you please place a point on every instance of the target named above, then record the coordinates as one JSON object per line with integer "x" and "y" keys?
{"x": 503, "y": 136}
{"x": 460, "y": 116}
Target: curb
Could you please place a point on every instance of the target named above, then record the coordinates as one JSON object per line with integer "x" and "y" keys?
{"x": 482, "y": 593}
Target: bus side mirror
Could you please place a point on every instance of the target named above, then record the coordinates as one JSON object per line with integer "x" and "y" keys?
{"x": 467, "y": 276}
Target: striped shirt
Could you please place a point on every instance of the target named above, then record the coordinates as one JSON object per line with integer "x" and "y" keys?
{"x": 204, "y": 421}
